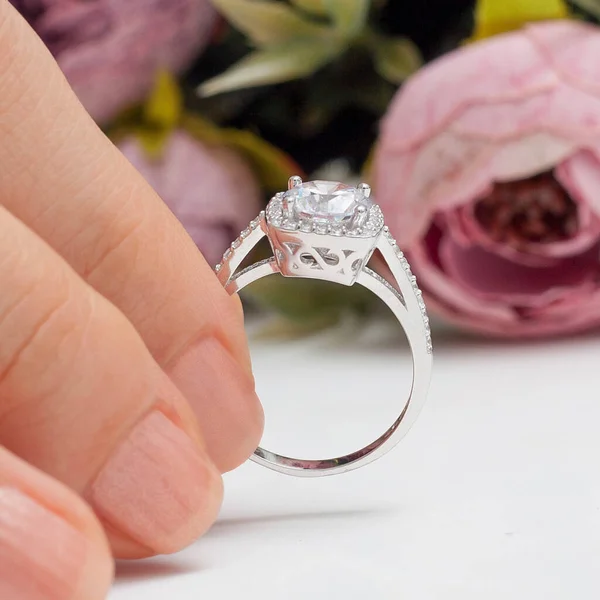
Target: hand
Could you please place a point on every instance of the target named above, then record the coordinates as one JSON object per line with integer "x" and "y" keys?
{"x": 125, "y": 379}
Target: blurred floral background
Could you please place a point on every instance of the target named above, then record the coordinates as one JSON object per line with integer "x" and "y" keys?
{"x": 477, "y": 123}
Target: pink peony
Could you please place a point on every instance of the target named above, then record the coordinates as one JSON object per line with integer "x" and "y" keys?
{"x": 211, "y": 190}
{"x": 488, "y": 171}
{"x": 110, "y": 50}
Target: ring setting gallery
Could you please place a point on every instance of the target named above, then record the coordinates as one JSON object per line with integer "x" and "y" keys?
{"x": 327, "y": 230}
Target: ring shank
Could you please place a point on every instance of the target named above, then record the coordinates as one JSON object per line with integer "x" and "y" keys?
{"x": 412, "y": 325}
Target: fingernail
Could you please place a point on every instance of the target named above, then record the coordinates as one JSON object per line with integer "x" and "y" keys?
{"x": 158, "y": 487}
{"x": 41, "y": 555}
{"x": 223, "y": 398}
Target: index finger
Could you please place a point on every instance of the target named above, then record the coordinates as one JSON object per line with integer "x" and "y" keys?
{"x": 64, "y": 179}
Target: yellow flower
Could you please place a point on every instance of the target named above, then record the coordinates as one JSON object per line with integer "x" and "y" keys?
{"x": 499, "y": 16}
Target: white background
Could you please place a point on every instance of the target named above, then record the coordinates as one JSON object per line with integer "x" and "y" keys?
{"x": 494, "y": 494}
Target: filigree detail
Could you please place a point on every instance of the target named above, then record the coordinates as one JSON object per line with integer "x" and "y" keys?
{"x": 345, "y": 262}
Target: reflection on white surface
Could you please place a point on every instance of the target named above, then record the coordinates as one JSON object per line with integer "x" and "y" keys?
{"x": 495, "y": 493}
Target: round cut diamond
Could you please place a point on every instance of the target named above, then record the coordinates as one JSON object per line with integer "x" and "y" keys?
{"x": 325, "y": 201}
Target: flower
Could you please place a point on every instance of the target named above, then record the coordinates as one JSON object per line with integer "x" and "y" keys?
{"x": 110, "y": 50}
{"x": 488, "y": 170}
{"x": 210, "y": 189}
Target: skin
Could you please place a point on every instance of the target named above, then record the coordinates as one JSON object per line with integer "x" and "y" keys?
{"x": 125, "y": 380}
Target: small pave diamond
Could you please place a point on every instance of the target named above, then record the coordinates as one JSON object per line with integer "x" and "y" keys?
{"x": 413, "y": 281}
{"x": 239, "y": 241}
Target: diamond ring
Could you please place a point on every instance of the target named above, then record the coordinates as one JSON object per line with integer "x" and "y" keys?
{"x": 328, "y": 230}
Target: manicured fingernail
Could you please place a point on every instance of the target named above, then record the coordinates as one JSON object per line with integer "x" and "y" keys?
{"x": 158, "y": 487}
{"x": 223, "y": 397}
{"x": 41, "y": 555}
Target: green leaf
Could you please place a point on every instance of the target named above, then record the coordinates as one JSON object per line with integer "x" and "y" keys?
{"x": 268, "y": 23}
{"x": 349, "y": 16}
{"x": 493, "y": 17}
{"x": 202, "y": 129}
{"x": 316, "y": 7}
{"x": 591, "y": 7}
{"x": 163, "y": 107}
{"x": 157, "y": 117}
{"x": 272, "y": 166}
{"x": 267, "y": 66}
{"x": 152, "y": 140}
{"x": 396, "y": 58}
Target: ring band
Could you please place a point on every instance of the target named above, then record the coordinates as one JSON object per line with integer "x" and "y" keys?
{"x": 328, "y": 231}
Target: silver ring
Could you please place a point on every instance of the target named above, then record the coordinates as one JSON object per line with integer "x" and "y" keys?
{"x": 328, "y": 230}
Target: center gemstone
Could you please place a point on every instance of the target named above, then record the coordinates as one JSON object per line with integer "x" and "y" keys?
{"x": 326, "y": 201}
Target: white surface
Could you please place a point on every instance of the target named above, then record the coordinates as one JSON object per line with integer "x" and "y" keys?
{"x": 494, "y": 494}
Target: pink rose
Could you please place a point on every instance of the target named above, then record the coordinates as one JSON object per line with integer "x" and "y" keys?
{"x": 488, "y": 171}
{"x": 211, "y": 190}
{"x": 110, "y": 50}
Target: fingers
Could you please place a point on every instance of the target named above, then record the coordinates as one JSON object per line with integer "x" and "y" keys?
{"x": 82, "y": 399}
{"x": 70, "y": 185}
{"x": 51, "y": 546}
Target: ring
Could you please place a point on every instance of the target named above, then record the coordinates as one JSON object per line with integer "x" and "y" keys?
{"x": 327, "y": 230}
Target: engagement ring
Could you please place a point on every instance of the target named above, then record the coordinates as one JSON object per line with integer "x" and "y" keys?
{"x": 328, "y": 230}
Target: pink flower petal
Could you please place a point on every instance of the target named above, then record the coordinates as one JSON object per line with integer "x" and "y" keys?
{"x": 450, "y": 171}
{"x": 466, "y": 230}
{"x": 525, "y": 325}
{"x": 487, "y": 274}
{"x": 211, "y": 190}
{"x": 572, "y": 49}
{"x": 565, "y": 311}
{"x": 110, "y": 51}
{"x": 502, "y": 110}
{"x": 497, "y": 122}
{"x": 564, "y": 112}
{"x": 507, "y": 67}
{"x": 573, "y": 114}
{"x": 530, "y": 155}
{"x": 580, "y": 176}
{"x": 403, "y": 215}
{"x": 424, "y": 260}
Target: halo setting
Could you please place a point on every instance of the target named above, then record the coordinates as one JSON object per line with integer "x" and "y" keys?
{"x": 326, "y": 207}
